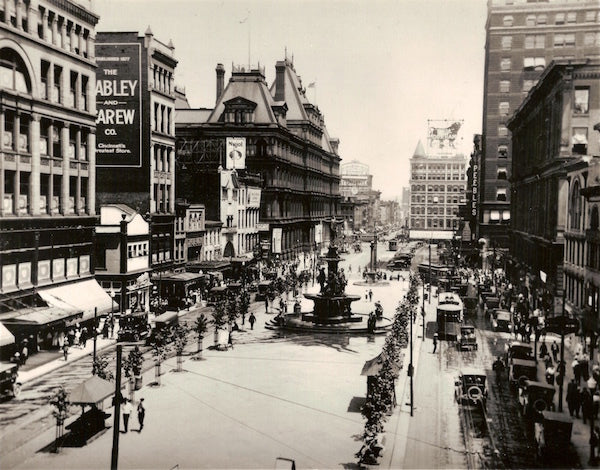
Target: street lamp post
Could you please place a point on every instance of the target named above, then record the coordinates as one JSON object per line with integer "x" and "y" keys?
{"x": 410, "y": 368}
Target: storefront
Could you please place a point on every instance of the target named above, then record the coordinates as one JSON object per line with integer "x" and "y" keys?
{"x": 181, "y": 289}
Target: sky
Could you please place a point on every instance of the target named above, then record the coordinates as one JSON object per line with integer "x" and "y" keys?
{"x": 382, "y": 68}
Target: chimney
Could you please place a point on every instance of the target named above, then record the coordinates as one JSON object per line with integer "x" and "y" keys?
{"x": 220, "y": 80}
{"x": 280, "y": 80}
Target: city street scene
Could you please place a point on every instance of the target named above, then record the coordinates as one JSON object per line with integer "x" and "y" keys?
{"x": 299, "y": 235}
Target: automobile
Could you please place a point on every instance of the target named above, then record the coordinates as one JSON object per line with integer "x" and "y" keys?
{"x": 552, "y": 433}
{"x": 470, "y": 388}
{"x": 501, "y": 320}
{"x": 9, "y": 380}
{"x": 263, "y": 290}
{"x": 491, "y": 303}
{"x": 466, "y": 338}
{"x": 536, "y": 397}
{"x": 162, "y": 324}
{"x": 518, "y": 350}
{"x": 470, "y": 304}
{"x": 133, "y": 327}
{"x": 520, "y": 370}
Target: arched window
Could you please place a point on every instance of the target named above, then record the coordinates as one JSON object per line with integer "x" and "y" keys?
{"x": 575, "y": 206}
{"x": 13, "y": 73}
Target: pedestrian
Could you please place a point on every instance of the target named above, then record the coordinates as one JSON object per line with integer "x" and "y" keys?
{"x": 24, "y": 353}
{"x": 105, "y": 329}
{"x": 141, "y": 412}
{"x": 84, "y": 337}
{"x": 596, "y": 404}
{"x": 587, "y": 405}
{"x": 65, "y": 349}
{"x": 251, "y": 319}
{"x": 127, "y": 409}
{"x": 573, "y": 397}
{"x": 550, "y": 372}
{"x": 230, "y": 340}
{"x": 576, "y": 370}
{"x": 554, "y": 349}
{"x": 370, "y": 295}
{"x": 366, "y": 294}
{"x": 266, "y": 305}
{"x": 594, "y": 435}
{"x": 543, "y": 351}
{"x": 435, "y": 342}
{"x": 243, "y": 318}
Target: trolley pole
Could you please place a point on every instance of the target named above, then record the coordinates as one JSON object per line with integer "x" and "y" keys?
{"x": 117, "y": 421}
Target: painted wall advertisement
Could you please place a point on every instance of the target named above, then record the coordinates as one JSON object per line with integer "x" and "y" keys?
{"x": 119, "y": 105}
{"x": 235, "y": 153}
{"x": 253, "y": 197}
{"x": 276, "y": 243}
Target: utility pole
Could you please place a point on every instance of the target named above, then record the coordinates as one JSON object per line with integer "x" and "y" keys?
{"x": 410, "y": 368}
{"x": 561, "y": 367}
{"x": 117, "y": 421}
{"x": 430, "y": 271}
{"x": 95, "y": 335}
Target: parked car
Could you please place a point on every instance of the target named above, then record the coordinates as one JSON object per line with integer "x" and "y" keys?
{"x": 552, "y": 433}
{"x": 536, "y": 397}
{"x": 521, "y": 370}
{"x": 133, "y": 327}
{"x": 470, "y": 388}
{"x": 501, "y": 320}
{"x": 466, "y": 338}
{"x": 9, "y": 380}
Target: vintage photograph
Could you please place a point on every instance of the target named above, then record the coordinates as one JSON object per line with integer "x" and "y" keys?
{"x": 299, "y": 234}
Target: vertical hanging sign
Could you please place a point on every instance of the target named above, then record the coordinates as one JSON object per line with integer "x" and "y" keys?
{"x": 119, "y": 105}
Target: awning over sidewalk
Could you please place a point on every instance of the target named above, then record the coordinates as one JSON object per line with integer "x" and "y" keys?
{"x": 41, "y": 316}
{"x": 6, "y": 337}
{"x": 184, "y": 277}
{"x": 205, "y": 266}
{"x": 84, "y": 295}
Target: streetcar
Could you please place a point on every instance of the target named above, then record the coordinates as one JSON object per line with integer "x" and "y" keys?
{"x": 437, "y": 272}
{"x": 449, "y": 316}
{"x": 393, "y": 245}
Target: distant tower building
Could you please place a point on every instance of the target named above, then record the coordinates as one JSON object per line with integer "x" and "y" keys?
{"x": 356, "y": 183}
{"x": 522, "y": 38}
{"x": 437, "y": 183}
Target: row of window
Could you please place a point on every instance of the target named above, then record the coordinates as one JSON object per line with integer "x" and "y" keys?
{"x": 17, "y": 193}
{"x": 421, "y": 199}
{"x": 51, "y": 27}
{"x": 437, "y": 188}
{"x": 162, "y": 79}
{"x": 435, "y": 210}
{"x": 163, "y": 119}
{"x": 136, "y": 250}
{"x": 438, "y": 168}
{"x": 162, "y": 158}
{"x": 581, "y": 102}
{"x": 417, "y": 223}
{"x": 559, "y": 18}
{"x": 538, "y": 41}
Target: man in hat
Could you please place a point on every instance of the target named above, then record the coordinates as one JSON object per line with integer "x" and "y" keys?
{"x": 435, "y": 342}
{"x": 141, "y": 412}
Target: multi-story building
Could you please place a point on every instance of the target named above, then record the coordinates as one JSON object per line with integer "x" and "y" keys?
{"x": 522, "y": 38}
{"x": 272, "y": 132}
{"x": 136, "y": 133}
{"x": 437, "y": 184}
{"x": 189, "y": 232}
{"x": 122, "y": 262}
{"x": 356, "y": 186}
{"x": 47, "y": 167}
{"x": 553, "y": 126}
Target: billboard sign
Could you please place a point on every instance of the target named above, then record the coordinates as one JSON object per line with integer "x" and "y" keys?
{"x": 253, "y": 197}
{"x": 119, "y": 105}
{"x": 443, "y": 136}
{"x": 235, "y": 153}
{"x": 276, "y": 243}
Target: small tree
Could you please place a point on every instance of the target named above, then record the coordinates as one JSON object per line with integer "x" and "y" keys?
{"x": 200, "y": 327}
{"x": 160, "y": 349}
{"x": 60, "y": 402}
{"x": 179, "y": 333}
{"x": 132, "y": 366}
{"x": 220, "y": 318}
{"x": 101, "y": 368}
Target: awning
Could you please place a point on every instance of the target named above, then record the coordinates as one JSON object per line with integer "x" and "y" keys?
{"x": 6, "y": 337}
{"x": 182, "y": 277}
{"x": 215, "y": 265}
{"x": 40, "y": 316}
{"x": 91, "y": 391}
{"x": 84, "y": 295}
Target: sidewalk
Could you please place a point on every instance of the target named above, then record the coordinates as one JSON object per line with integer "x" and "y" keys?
{"x": 397, "y": 426}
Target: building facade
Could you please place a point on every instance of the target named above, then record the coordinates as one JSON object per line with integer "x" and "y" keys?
{"x": 189, "y": 232}
{"x": 553, "y": 126}
{"x": 356, "y": 186}
{"x": 122, "y": 262}
{"x": 47, "y": 167}
{"x": 437, "y": 189}
{"x": 274, "y": 132}
{"x": 522, "y": 38}
{"x": 136, "y": 133}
